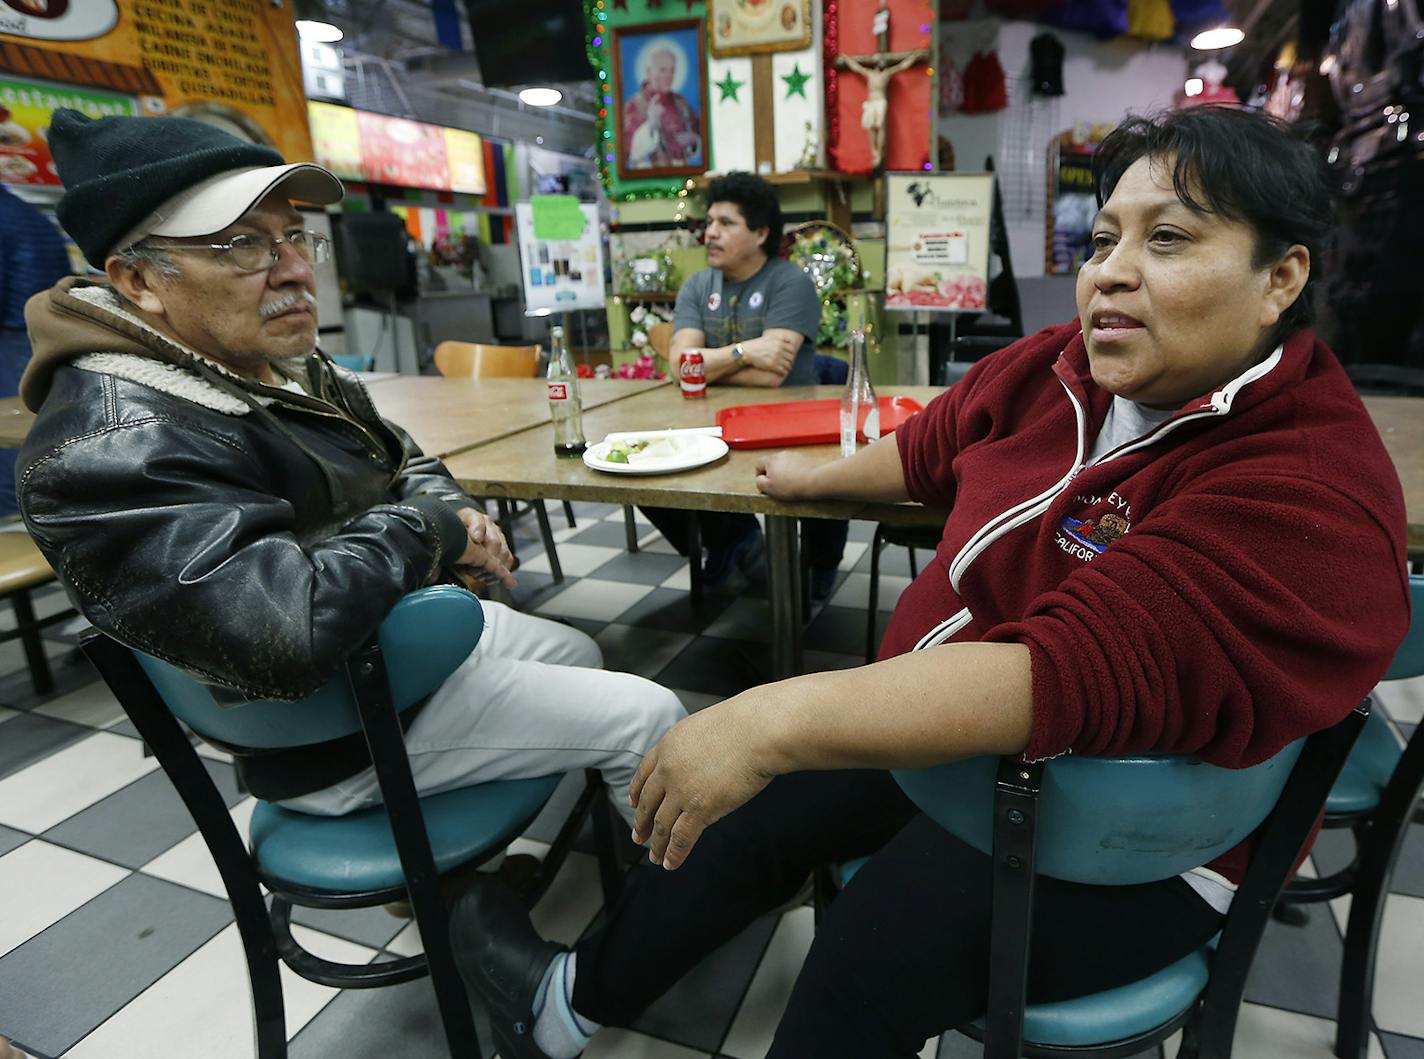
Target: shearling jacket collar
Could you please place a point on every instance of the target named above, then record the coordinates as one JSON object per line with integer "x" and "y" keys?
{"x": 83, "y": 322}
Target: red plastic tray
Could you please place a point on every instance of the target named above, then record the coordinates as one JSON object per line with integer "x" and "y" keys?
{"x": 765, "y": 426}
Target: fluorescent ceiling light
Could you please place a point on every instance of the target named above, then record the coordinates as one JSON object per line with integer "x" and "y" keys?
{"x": 540, "y": 97}
{"x": 320, "y": 32}
{"x": 1221, "y": 37}
{"x": 1194, "y": 86}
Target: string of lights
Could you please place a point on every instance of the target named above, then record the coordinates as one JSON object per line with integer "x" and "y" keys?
{"x": 600, "y": 50}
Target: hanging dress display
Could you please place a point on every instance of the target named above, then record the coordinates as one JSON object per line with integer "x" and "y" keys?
{"x": 984, "y": 90}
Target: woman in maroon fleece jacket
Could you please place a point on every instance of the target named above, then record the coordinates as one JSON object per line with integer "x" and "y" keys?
{"x": 1173, "y": 527}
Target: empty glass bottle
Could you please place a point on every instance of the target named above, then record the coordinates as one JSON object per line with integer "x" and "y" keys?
{"x": 860, "y": 411}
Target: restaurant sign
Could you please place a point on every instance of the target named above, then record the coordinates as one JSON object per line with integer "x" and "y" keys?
{"x": 231, "y": 63}
{"x": 362, "y": 145}
{"x": 25, "y": 111}
{"x": 58, "y": 19}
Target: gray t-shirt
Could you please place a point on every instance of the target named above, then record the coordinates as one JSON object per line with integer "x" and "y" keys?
{"x": 779, "y": 295}
{"x": 1126, "y": 421}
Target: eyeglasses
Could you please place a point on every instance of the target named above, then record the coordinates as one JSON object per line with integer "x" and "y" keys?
{"x": 258, "y": 253}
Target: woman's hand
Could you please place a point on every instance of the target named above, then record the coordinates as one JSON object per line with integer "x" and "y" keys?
{"x": 485, "y": 548}
{"x": 703, "y": 767}
{"x": 787, "y": 476}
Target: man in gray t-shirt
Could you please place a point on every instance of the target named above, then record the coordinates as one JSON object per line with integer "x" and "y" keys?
{"x": 753, "y": 315}
{"x": 719, "y": 314}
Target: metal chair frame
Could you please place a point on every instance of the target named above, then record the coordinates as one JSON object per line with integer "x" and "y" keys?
{"x": 27, "y": 631}
{"x": 266, "y": 933}
{"x": 1209, "y": 1025}
{"x": 910, "y": 537}
{"x": 1379, "y": 834}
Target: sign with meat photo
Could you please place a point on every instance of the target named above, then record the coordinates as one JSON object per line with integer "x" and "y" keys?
{"x": 937, "y": 241}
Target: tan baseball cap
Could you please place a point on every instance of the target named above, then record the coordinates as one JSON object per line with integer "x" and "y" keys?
{"x": 211, "y": 205}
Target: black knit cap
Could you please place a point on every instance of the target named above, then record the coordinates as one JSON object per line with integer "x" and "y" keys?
{"x": 117, "y": 170}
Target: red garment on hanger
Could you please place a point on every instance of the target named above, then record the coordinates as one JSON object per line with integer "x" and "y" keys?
{"x": 984, "y": 90}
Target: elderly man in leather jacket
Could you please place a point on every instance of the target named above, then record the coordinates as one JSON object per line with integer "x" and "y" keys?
{"x": 214, "y": 491}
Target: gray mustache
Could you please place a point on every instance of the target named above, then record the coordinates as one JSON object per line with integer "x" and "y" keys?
{"x": 285, "y": 302}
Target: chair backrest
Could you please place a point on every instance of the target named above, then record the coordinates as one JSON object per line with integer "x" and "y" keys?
{"x": 353, "y": 361}
{"x": 1409, "y": 659}
{"x": 1378, "y": 752}
{"x": 462, "y": 360}
{"x": 660, "y": 338}
{"x": 831, "y": 371}
{"x": 426, "y": 636}
{"x": 21, "y": 564}
{"x": 1112, "y": 820}
{"x": 1099, "y": 810}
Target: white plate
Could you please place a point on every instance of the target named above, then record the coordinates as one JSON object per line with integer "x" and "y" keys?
{"x": 699, "y": 450}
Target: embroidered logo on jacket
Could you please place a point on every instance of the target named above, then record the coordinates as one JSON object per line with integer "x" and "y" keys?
{"x": 1090, "y": 536}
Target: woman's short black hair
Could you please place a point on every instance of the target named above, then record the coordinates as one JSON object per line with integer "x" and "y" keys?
{"x": 757, "y": 201}
{"x": 1241, "y": 165}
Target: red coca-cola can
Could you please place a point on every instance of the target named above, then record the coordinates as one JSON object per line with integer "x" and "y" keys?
{"x": 692, "y": 375}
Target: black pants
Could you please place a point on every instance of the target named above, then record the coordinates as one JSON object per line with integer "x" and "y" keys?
{"x": 823, "y": 539}
{"x": 902, "y": 954}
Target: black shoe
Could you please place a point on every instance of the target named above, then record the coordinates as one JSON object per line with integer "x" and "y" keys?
{"x": 823, "y": 582}
{"x": 503, "y": 960}
{"x": 731, "y": 569}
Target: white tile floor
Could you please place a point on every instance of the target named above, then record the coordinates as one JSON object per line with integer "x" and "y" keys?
{"x": 34, "y": 800}
{"x": 191, "y": 1000}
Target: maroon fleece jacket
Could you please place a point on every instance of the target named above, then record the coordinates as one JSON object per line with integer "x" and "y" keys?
{"x": 1224, "y": 585}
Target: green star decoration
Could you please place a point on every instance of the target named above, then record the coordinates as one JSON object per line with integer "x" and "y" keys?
{"x": 796, "y": 82}
{"x": 729, "y": 86}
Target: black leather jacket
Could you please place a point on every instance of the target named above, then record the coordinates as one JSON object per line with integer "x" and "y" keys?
{"x": 255, "y": 546}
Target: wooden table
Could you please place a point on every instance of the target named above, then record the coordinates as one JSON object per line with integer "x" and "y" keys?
{"x": 1400, "y": 421}
{"x": 446, "y": 416}
{"x": 524, "y": 465}
{"x": 443, "y": 415}
{"x": 507, "y": 419}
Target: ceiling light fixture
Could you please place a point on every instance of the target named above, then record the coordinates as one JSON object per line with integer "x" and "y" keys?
{"x": 1220, "y": 37}
{"x": 1194, "y": 86}
{"x": 540, "y": 97}
{"x": 318, "y": 32}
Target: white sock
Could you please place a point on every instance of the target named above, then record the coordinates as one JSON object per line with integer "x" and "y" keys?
{"x": 559, "y": 1030}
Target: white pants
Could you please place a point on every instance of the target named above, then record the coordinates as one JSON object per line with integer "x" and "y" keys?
{"x": 530, "y": 700}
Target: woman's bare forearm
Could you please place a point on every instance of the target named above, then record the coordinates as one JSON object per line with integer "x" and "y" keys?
{"x": 874, "y": 473}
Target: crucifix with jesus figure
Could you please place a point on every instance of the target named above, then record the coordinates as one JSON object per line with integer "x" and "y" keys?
{"x": 878, "y": 68}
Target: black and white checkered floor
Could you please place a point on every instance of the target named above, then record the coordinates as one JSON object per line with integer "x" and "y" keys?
{"x": 116, "y": 942}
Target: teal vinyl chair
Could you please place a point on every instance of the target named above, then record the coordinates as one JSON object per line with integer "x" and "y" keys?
{"x": 1123, "y": 821}
{"x": 353, "y": 361}
{"x": 1377, "y": 797}
{"x": 364, "y": 858}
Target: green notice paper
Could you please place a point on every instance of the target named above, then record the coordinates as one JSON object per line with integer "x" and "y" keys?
{"x": 556, "y": 217}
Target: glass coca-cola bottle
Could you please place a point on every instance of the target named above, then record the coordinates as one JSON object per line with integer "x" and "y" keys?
{"x": 565, "y": 404}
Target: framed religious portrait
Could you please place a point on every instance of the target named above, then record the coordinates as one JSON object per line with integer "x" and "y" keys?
{"x": 745, "y": 27}
{"x": 659, "y": 87}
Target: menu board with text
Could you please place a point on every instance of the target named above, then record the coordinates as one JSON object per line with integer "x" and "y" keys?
{"x": 380, "y": 149}
{"x": 232, "y": 63}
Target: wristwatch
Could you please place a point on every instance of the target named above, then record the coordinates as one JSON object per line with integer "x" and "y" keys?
{"x": 738, "y": 353}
